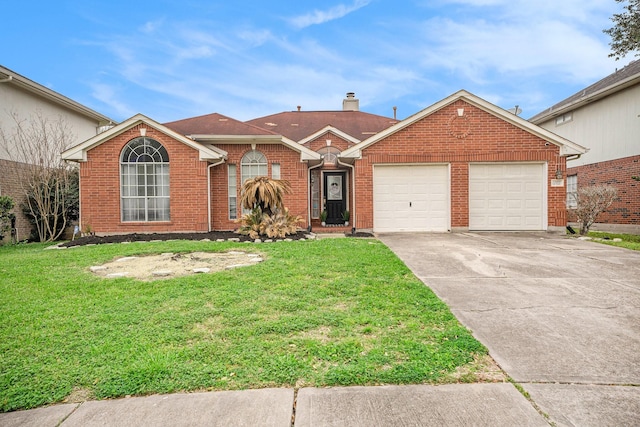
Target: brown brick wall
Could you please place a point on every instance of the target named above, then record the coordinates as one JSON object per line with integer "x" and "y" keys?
{"x": 291, "y": 169}
{"x": 10, "y": 186}
{"x": 100, "y": 188}
{"x": 618, "y": 173}
{"x": 443, "y": 138}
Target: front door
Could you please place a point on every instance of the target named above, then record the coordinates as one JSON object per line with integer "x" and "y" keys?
{"x": 335, "y": 197}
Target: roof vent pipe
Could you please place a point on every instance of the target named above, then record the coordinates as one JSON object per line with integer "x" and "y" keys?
{"x": 395, "y": 113}
{"x": 351, "y": 103}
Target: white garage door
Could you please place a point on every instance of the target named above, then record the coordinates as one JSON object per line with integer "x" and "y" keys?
{"x": 507, "y": 197}
{"x": 411, "y": 198}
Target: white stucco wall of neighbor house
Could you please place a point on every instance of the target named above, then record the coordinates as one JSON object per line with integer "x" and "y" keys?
{"x": 609, "y": 127}
{"x": 24, "y": 104}
{"x": 23, "y": 100}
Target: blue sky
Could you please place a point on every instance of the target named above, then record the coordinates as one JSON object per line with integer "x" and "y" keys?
{"x": 173, "y": 59}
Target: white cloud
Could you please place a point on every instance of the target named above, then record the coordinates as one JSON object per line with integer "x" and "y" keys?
{"x": 321, "y": 16}
{"x": 107, "y": 95}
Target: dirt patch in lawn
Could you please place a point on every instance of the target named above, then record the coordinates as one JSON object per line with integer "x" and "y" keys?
{"x": 170, "y": 265}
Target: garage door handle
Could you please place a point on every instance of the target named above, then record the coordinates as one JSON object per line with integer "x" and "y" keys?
{"x": 409, "y": 204}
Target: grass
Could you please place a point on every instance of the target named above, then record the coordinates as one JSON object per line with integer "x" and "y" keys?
{"x": 629, "y": 241}
{"x": 316, "y": 313}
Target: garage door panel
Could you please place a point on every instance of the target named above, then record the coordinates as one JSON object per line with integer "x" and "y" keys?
{"x": 506, "y": 196}
{"x": 418, "y": 195}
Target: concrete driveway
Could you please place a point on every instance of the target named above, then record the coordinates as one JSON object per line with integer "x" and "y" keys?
{"x": 561, "y": 316}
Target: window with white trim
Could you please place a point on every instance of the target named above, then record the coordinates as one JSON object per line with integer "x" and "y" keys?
{"x": 572, "y": 191}
{"x": 144, "y": 181}
{"x": 275, "y": 170}
{"x": 233, "y": 192}
{"x": 330, "y": 154}
{"x": 564, "y": 118}
{"x": 315, "y": 194}
{"x": 253, "y": 164}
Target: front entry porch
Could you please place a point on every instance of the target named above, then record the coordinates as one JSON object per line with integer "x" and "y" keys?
{"x": 330, "y": 200}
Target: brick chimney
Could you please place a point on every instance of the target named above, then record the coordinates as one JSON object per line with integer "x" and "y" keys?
{"x": 351, "y": 103}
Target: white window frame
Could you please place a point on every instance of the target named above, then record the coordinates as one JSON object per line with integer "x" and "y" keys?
{"x": 564, "y": 118}
{"x": 232, "y": 173}
{"x": 144, "y": 182}
{"x": 572, "y": 191}
{"x": 275, "y": 170}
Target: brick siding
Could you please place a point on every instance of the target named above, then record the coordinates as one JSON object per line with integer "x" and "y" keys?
{"x": 626, "y": 209}
{"x": 100, "y": 188}
{"x": 441, "y": 137}
{"x": 291, "y": 169}
{"x": 10, "y": 185}
{"x": 438, "y": 138}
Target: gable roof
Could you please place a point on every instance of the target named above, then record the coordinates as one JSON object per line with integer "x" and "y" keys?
{"x": 621, "y": 79}
{"x": 215, "y": 124}
{"x": 298, "y": 125}
{"x": 216, "y": 128}
{"x": 566, "y": 147}
{"x": 79, "y": 152}
{"x": 11, "y": 77}
{"x": 332, "y": 130}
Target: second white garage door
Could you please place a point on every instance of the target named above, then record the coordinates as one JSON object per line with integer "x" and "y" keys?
{"x": 410, "y": 198}
{"x": 507, "y": 197}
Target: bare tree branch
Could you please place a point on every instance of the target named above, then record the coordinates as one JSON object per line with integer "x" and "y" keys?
{"x": 34, "y": 145}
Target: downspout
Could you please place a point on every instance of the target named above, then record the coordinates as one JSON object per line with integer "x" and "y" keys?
{"x": 209, "y": 190}
{"x": 7, "y": 80}
{"x": 573, "y": 157}
{"x": 353, "y": 191}
{"x": 309, "y": 192}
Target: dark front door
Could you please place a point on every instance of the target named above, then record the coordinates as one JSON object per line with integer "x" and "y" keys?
{"x": 335, "y": 196}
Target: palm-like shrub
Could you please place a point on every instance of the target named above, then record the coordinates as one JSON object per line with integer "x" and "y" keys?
{"x": 265, "y": 193}
{"x": 251, "y": 224}
{"x": 280, "y": 224}
{"x": 268, "y": 216}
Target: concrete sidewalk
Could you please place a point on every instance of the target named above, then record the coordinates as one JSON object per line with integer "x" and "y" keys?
{"x": 418, "y": 405}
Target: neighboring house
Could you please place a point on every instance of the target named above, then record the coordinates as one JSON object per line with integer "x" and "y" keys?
{"x": 25, "y": 99}
{"x": 460, "y": 164}
{"x": 605, "y": 117}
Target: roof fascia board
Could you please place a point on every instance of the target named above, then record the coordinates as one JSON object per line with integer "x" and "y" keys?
{"x": 566, "y": 147}
{"x": 237, "y": 139}
{"x": 54, "y": 96}
{"x": 333, "y": 130}
{"x": 305, "y": 153}
{"x": 79, "y": 152}
{"x": 595, "y": 96}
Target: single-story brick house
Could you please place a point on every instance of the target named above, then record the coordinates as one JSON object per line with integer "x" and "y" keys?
{"x": 460, "y": 164}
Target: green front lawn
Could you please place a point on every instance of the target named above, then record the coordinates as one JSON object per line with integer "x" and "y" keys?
{"x": 315, "y": 313}
{"x": 629, "y": 241}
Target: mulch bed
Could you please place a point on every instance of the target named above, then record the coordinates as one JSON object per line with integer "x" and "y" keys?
{"x": 213, "y": 236}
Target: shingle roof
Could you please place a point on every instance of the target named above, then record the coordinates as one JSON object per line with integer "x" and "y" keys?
{"x": 601, "y": 87}
{"x": 216, "y": 124}
{"x": 297, "y": 125}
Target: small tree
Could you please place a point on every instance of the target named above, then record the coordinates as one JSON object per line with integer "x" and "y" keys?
{"x": 6, "y": 204}
{"x": 591, "y": 202}
{"x": 625, "y": 34}
{"x": 34, "y": 145}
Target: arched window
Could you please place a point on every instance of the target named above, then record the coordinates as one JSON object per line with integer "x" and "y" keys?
{"x": 330, "y": 154}
{"x": 144, "y": 177}
{"x": 253, "y": 164}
